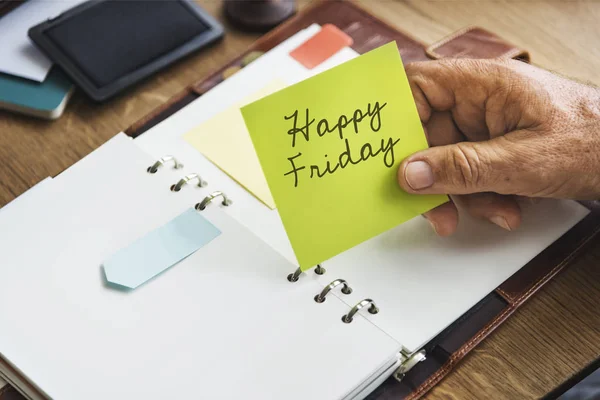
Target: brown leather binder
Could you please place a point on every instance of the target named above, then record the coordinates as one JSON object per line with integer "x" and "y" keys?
{"x": 446, "y": 350}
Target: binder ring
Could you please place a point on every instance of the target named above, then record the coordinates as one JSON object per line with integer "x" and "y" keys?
{"x": 186, "y": 179}
{"x": 361, "y": 304}
{"x": 162, "y": 161}
{"x": 345, "y": 289}
{"x": 208, "y": 199}
{"x": 293, "y": 277}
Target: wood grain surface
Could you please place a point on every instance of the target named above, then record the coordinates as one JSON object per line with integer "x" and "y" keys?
{"x": 551, "y": 338}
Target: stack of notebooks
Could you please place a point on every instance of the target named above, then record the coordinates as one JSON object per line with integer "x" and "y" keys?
{"x": 29, "y": 83}
{"x": 235, "y": 319}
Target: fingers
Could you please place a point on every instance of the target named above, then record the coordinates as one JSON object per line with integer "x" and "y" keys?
{"x": 443, "y": 219}
{"x": 441, "y": 130}
{"x": 498, "y": 165}
{"x": 485, "y": 98}
{"x": 461, "y": 86}
{"x": 503, "y": 127}
{"x": 528, "y": 200}
{"x": 468, "y": 100}
{"x": 435, "y": 84}
{"x": 502, "y": 211}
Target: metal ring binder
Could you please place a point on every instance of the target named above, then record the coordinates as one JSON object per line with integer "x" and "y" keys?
{"x": 345, "y": 289}
{"x": 186, "y": 179}
{"x": 208, "y": 199}
{"x": 361, "y": 304}
{"x": 162, "y": 161}
{"x": 408, "y": 363}
{"x": 293, "y": 277}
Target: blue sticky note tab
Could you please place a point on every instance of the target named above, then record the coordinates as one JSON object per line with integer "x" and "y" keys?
{"x": 159, "y": 250}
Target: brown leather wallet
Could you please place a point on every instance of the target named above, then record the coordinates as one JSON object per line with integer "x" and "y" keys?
{"x": 447, "y": 349}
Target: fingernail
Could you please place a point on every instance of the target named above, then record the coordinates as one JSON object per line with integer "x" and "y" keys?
{"x": 501, "y": 222}
{"x": 418, "y": 175}
{"x": 433, "y": 226}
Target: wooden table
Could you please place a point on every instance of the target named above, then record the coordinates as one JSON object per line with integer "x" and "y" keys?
{"x": 551, "y": 338}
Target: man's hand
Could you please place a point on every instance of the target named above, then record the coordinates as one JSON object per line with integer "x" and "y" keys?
{"x": 500, "y": 129}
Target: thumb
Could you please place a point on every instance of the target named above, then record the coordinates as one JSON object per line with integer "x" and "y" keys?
{"x": 463, "y": 168}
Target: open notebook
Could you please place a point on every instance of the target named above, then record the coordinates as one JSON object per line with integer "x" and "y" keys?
{"x": 226, "y": 322}
{"x": 227, "y": 309}
{"x": 407, "y": 270}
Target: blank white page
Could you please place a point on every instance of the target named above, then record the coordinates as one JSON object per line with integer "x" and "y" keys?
{"x": 26, "y": 194}
{"x": 30, "y": 198}
{"x": 423, "y": 282}
{"x": 222, "y": 324}
{"x": 19, "y": 56}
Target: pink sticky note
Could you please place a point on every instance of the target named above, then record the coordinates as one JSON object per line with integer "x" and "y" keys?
{"x": 321, "y": 46}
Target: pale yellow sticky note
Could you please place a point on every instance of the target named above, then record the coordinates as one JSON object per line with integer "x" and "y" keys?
{"x": 225, "y": 141}
{"x": 330, "y": 147}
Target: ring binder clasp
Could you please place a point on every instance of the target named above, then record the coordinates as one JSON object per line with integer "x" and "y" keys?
{"x": 208, "y": 199}
{"x": 293, "y": 277}
{"x": 162, "y": 161}
{"x": 361, "y": 304}
{"x": 345, "y": 289}
{"x": 408, "y": 362}
{"x": 186, "y": 179}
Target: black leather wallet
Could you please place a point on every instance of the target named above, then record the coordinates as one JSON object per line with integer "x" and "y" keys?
{"x": 106, "y": 46}
{"x": 7, "y": 6}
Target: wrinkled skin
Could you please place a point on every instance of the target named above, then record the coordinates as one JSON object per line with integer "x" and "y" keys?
{"x": 501, "y": 131}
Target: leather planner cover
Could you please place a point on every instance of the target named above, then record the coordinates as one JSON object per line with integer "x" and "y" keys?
{"x": 446, "y": 350}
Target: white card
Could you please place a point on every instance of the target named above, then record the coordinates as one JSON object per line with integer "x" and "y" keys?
{"x": 18, "y": 54}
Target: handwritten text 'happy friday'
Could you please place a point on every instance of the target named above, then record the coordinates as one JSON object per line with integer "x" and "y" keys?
{"x": 386, "y": 149}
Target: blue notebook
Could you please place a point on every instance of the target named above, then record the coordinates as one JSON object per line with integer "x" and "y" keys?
{"x": 45, "y": 99}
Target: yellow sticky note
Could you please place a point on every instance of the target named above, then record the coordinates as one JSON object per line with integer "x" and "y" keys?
{"x": 225, "y": 141}
{"x": 330, "y": 147}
